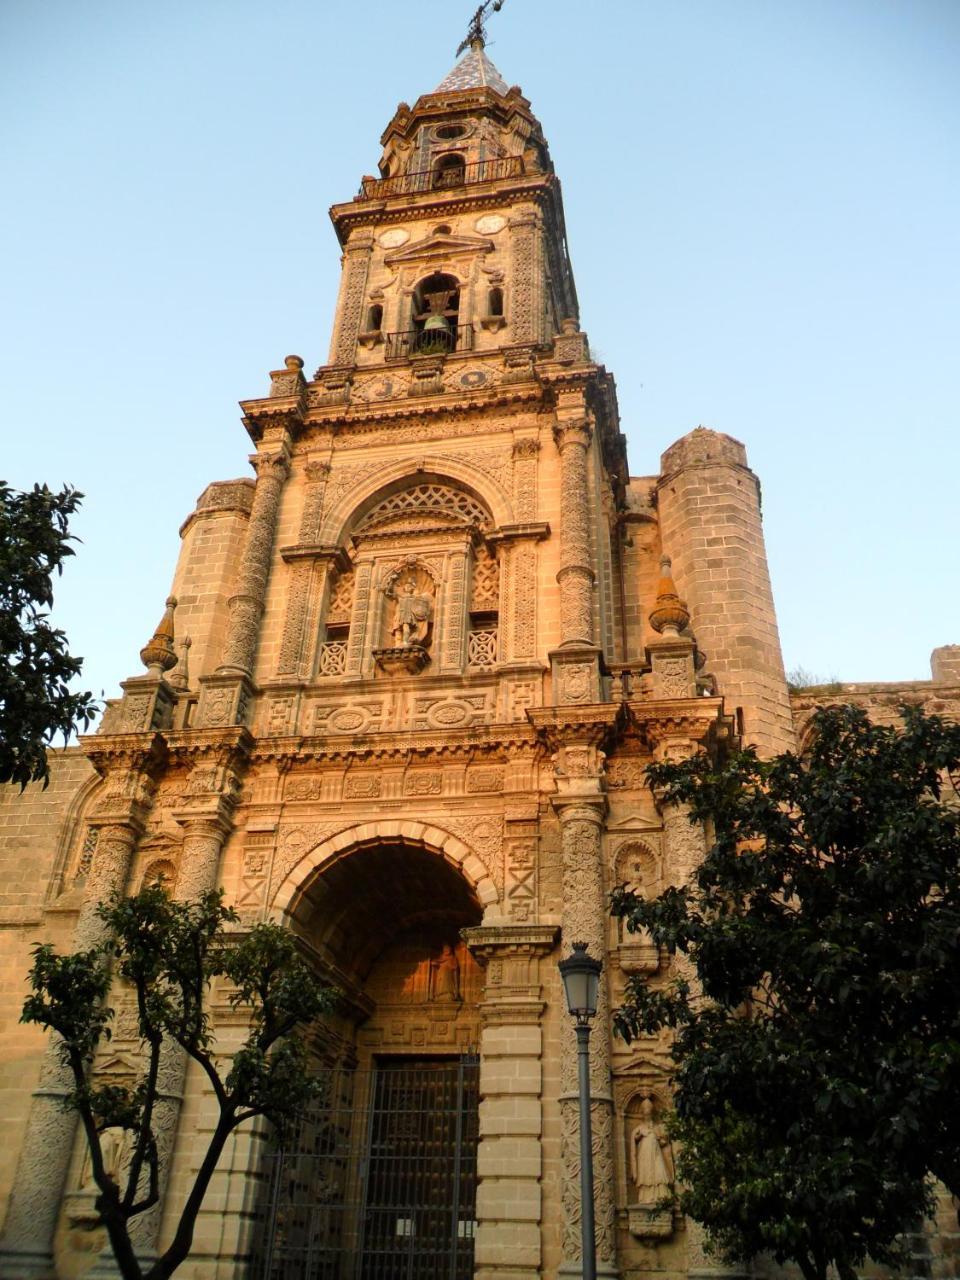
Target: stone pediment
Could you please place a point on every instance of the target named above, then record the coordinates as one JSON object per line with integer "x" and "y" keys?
{"x": 634, "y": 824}
{"x": 438, "y": 245}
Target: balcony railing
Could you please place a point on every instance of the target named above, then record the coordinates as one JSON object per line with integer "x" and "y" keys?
{"x": 428, "y": 342}
{"x": 482, "y": 649}
{"x": 333, "y": 658}
{"x": 441, "y": 179}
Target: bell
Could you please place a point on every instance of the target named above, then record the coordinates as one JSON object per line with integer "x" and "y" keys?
{"x": 434, "y": 324}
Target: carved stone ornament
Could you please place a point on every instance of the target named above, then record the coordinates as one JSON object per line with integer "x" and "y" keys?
{"x": 412, "y": 614}
{"x": 407, "y": 660}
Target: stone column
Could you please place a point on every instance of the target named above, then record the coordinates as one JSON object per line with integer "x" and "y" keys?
{"x": 305, "y": 570}
{"x": 356, "y": 264}
{"x": 360, "y": 619}
{"x": 584, "y": 920}
{"x": 26, "y": 1250}
{"x": 575, "y": 575}
{"x": 452, "y": 626}
{"x": 525, "y": 464}
{"x": 509, "y": 1158}
{"x": 246, "y": 607}
{"x": 199, "y": 873}
{"x": 526, "y": 288}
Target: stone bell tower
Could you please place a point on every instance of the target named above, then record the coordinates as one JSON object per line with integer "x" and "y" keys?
{"x": 432, "y": 646}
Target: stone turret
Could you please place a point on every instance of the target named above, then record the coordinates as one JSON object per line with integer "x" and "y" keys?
{"x": 709, "y": 503}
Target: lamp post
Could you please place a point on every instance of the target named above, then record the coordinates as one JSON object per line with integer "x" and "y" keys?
{"x": 581, "y": 981}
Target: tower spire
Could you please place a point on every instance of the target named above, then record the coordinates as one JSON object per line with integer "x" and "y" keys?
{"x": 476, "y": 36}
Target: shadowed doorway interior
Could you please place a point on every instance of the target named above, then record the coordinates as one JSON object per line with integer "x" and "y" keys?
{"x": 379, "y": 1180}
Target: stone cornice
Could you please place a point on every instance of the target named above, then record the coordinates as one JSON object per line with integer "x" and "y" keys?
{"x": 595, "y": 723}
{"x": 700, "y": 720}
{"x": 342, "y": 417}
{"x": 337, "y": 556}
{"x": 230, "y": 741}
{"x": 274, "y": 411}
{"x": 347, "y": 216}
{"x": 487, "y": 941}
{"x": 534, "y": 531}
{"x": 141, "y": 752}
{"x": 401, "y": 746}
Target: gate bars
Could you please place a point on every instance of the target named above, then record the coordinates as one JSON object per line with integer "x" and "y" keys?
{"x": 379, "y": 1179}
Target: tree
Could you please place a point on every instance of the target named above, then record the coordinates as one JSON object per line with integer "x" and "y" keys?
{"x": 36, "y": 667}
{"x": 169, "y": 953}
{"x": 816, "y": 1058}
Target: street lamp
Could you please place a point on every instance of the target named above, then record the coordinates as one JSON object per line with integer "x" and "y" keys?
{"x": 581, "y": 981}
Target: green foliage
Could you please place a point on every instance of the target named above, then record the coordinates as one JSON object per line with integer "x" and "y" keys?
{"x": 169, "y": 954}
{"x": 35, "y": 667}
{"x": 817, "y": 1042}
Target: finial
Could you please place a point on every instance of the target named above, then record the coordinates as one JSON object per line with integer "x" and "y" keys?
{"x": 293, "y": 363}
{"x": 158, "y": 655}
{"x": 476, "y": 35}
{"x": 670, "y": 614}
{"x": 181, "y": 675}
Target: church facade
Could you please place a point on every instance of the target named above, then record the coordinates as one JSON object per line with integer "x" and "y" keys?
{"x": 402, "y": 700}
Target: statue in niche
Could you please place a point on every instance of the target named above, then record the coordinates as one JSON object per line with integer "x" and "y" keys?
{"x": 112, "y": 1149}
{"x": 412, "y": 613}
{"x": 445, "y": 975}
{"x": 649, "y": 1150}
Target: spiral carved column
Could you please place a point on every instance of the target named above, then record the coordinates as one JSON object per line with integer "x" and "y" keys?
{"x": 584, "y": 920}
{"x": 246, "y": 607}
{"x": 27, "y": 1247}
{"x": 575, "y": 575}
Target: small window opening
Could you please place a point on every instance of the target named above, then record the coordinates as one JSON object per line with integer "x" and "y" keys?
{"x": 436, "y": 308}
{"x": 375, "y": 318}
{"x": 495, "y": 301}
{"x": 449, "y": 171}
{"x": 447, "y": 131}
{"x": 482, "y": 638}
{"x": 332, "y": 659}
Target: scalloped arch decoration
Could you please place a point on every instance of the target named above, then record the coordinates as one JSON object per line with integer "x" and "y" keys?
{"x": 352, "y": 507}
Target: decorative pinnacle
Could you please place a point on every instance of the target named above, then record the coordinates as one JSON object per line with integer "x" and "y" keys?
{"x": 476, "y": 36}
{"x": 181, "y": 676}
{"x": 670, "y": 614}
{"x": 158, "y": 655}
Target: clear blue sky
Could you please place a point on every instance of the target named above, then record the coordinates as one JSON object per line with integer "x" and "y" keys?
{"x": 763, "y": 205}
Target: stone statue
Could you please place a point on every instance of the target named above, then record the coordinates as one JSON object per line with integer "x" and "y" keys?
{"x": 112, "y": 1149}
{"x": 445, "y": 984}
{"x": 411, "y": 615}
{"x": 648, "y": 1165}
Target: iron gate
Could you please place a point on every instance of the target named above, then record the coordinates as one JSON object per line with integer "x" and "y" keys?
{"x": 379, "y": 1181}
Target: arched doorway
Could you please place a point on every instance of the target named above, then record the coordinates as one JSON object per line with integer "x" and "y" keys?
{"x": 379, "y": 1181}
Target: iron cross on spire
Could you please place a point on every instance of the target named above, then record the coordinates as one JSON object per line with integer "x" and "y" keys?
{"x": 477, "y": 30}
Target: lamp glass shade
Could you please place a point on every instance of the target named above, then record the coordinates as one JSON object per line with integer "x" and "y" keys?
{"x": 581, "y": 981}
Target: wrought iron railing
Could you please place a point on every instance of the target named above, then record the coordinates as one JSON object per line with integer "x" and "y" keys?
{"x": 441, "y": 179}
{"x": 428, "y": 342}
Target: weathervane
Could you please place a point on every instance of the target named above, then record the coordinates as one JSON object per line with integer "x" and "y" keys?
{"x": 476, "y": 31}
